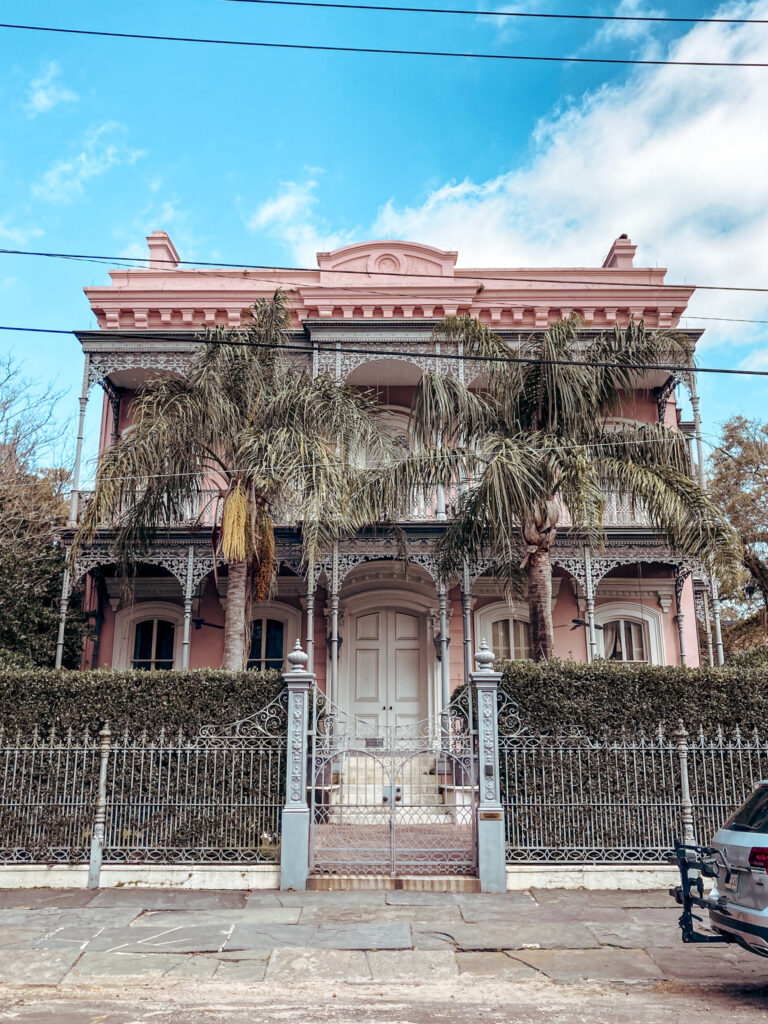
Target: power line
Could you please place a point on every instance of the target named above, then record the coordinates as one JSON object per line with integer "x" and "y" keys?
{"x": 129, "y": 261}
{"x": 382, "y": 50}
{"x": 510, "y": 14}
{"x": 383, "y": 353}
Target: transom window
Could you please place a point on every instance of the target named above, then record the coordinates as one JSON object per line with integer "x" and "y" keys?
{"x": 510, "y": 638}
{"x": 267, "y": 644}
{"x": 153, "y": 644}
{"x": 625, "y": 640}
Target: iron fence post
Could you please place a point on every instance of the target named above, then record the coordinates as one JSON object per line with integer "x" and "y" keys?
{"x": 686, "y": 806}
{"x": 100, "y": 815}
{"x": 491, "y": 859}
{"x": 294, "y": 844}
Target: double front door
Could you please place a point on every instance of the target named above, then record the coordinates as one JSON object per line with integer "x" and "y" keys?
{"x": 387, "y": 687}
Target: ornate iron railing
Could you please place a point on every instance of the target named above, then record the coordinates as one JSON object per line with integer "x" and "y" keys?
{"x": 212, "y": 798}
{"x": 571, "y": 798}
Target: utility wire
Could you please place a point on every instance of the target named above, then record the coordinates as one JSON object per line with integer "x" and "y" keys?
{"x": 461, "y": 277}
{"x": 459, "y": 357}
{"x": 382, "y": 50}
{"x": 510, "y": 14}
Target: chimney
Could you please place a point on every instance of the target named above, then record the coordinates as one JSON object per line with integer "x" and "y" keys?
{"x": 621, "y": 254}
{"x": 162, "y": 251}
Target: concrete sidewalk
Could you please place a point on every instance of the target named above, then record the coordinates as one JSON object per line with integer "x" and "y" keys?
{"x": 60, "y": 947}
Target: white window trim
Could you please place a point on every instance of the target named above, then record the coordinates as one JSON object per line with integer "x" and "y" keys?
{"x": 125, "y": 625}
{"x": 652, "y": 619}
{"x": 285, "y": 613}
{"x": 485, "y": 617}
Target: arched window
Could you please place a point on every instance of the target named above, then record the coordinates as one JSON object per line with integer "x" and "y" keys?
{"x": 510, "y": 638}
{"x": 267, "y": 644}
{"x": 148, "y": 635}
{"x": 153, "y": 644}
{"x": 625, "y": 640}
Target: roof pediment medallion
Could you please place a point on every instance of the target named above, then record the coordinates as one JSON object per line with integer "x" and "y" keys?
{"x": 389, "y": 257}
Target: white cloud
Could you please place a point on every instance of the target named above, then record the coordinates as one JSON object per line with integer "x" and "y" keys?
{"x": 290, "y": 216}
{"x": 101, "y": 150}
{"x": 675, "y": 157}
{"x": 46, "y": 92}
{"x": 627, "y": 31}
{"x": 15, "y": 235}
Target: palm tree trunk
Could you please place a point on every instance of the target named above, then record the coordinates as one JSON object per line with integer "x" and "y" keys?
{"x": 540, "y": 604}
{"x": 234, "y": 617}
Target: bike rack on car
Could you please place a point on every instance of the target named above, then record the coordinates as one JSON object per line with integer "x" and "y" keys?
{"x": 708, "y": 862}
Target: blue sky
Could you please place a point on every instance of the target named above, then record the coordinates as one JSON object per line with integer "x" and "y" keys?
{"x": 266, "y": 156}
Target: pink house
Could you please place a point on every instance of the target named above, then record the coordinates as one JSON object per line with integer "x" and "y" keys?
{"x": 387, "y": 644}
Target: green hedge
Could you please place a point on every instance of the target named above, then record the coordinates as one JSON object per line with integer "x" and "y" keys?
{"x": 130, "y": 700}
{"x": 604, "y": 698}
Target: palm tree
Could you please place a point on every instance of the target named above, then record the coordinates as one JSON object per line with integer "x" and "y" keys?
{"x": 546, "y": 431}
{"x": 258, "y": 432}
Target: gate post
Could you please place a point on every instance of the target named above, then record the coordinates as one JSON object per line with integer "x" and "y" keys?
{"x": 294, "y": 843}
{"x": 491, "y": 858}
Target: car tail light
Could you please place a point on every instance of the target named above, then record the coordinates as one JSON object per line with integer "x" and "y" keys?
{"x": 758, "y": 857}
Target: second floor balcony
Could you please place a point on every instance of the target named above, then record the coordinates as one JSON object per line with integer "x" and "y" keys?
{"x": 206, "y": 512}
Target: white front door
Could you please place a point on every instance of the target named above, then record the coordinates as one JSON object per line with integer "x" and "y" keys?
{"x": 386, "y": 669}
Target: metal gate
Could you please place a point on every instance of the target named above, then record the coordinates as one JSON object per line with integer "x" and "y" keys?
{"x": 401, "y": 801}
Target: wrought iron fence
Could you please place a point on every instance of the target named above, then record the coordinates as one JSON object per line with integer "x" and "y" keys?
{"x": 215, "y": 797}
{"x": 48, "y": 787}
{"x": 570, "y": 798}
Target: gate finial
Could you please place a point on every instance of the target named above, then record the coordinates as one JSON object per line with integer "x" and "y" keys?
{"x": 298, "y": 659}
{"x": 484, "y": 657}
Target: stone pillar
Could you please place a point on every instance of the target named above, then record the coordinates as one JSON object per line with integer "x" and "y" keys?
{"x": 294, "y": 843}
{"x": 716, "y": 619}
{"x": 63, "y": 602}
{"x": 74, "y": 494}
{"x": 491, "y": 832}
{"x": 187, "y": 608}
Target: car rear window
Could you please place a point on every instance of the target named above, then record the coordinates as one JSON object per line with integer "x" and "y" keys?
{"x": 753, "y": 815}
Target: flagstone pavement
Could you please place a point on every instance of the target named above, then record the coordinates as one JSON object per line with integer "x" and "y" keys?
{"x": 75, "y": 955}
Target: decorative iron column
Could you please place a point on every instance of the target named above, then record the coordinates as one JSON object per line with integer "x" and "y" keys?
{"x": 63, "y": 602}
{"x": 445, "y": 668}
{"x": 716, "y": 619}
{"x": 491, "y": 832}
{"x": 681, "y": 575}
{"x": 697, "y": 431}
{"x": 294, "y": 842}
{"x": 310, "y": 623}
{"x": 589, "y": 594}
{"x": 187, "y": 607}
{"x": 334, "y": 601}
{"x": 466, "y": 618}
{"x": 686, "y": 805}
{"x": 74, "y": 494}
{"x": 100, "y": 815}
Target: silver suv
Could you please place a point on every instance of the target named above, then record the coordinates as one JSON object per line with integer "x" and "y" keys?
{"x": 737, "y": 861}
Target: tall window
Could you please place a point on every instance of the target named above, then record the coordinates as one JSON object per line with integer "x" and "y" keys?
{"x": 153, "y": 644}
{"x": 510, "y": 639}
{"x": 625, "y": 640}
{"x": 267, "y": 644}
